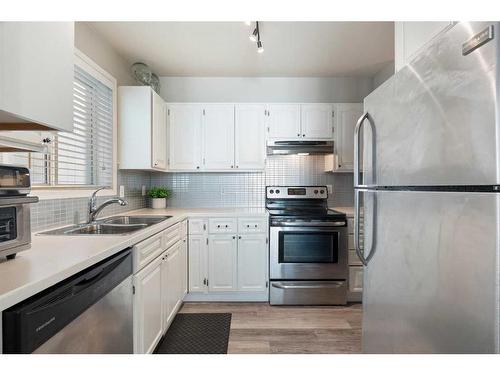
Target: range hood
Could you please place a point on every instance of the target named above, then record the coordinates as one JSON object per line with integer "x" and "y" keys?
{"x": 299, "y": 147}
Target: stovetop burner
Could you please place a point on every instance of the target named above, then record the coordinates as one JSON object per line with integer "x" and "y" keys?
{"x": 300, "y": 202}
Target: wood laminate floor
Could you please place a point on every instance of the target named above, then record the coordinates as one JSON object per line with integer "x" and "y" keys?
{"x": 258, "y": 328}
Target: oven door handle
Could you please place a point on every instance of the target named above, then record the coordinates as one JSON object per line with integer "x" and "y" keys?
{"x": 335, "y": 284}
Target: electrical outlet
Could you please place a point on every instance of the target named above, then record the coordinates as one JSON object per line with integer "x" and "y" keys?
{"x": 143, "y": 191}
{"x": 122, "y": 191}
{"x": 330, "y": 189}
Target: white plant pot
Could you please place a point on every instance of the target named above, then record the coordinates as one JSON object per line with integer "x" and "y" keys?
{"x": 158, "y": 203}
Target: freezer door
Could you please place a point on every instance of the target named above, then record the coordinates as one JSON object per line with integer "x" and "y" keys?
{"x": 435, "y": 120}
{"x": 432, "y": 283}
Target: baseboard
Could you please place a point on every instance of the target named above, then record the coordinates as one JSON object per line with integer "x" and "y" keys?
{"x": 228, "y": 297}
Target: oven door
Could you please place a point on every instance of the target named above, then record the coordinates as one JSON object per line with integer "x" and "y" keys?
{"x": 308, "y": 253}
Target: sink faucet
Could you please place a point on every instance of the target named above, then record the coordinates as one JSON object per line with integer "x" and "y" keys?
{"x": 94, "y": 209}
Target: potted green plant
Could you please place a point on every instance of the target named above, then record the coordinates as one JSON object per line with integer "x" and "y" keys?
{"x": 159, "y": 196}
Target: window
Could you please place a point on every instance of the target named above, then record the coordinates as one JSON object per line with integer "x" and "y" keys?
{"x": 84, "y": 157}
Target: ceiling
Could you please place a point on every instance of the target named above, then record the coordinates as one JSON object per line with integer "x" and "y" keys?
{"x": 292, "y": 49}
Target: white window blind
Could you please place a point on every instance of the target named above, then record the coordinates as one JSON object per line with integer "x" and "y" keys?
{"x": 83, "y": 157}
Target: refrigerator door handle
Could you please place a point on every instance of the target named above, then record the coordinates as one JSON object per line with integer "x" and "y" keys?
{"x": 357, "y": 147}
{"x": 373, "y": 227}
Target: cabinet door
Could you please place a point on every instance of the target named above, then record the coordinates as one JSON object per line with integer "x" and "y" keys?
{"x": 252, "y": 263}
{"x": 37, "y": 72}
{"x": 148, "y": 307}
{"x": 197, "y": 263}
{"x": 185, "y": 136}
{"x": 250, "y": 137}
{"x": 159, "y": 131}
{"x": 170, "y": 283}
{"x": 222, "y": 262}
{"x": 218, "y": 136}
{"x": 317, "y": 121}
{"x": 346, "y": 116}
{"x": 355, "y": 279}
{"x": 184, "y": 269}
{"x": 284, "y": 121}
{"x": 24, "y": 140}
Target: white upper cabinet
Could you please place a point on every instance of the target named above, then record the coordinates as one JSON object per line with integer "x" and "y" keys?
{"x": 317, "y": 121}
{"x": 283, "y": 121}
{"x": 185, "y": 136}
{"x": 250, "y": 137}
{"x": 346, "y": 117}
{"x": 36, "y": 75}
{"x": 411, "y": 37}
{"x": 218, "y": 136}
{"x": 143, "y": 129}
{"x": 159, "y": 128}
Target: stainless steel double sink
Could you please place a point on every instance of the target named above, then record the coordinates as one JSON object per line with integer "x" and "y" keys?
{"x": 114, "y": 225}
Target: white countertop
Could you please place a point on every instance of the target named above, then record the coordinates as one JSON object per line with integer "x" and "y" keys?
{"x": 349, "y": 211}
{"x": 52, "y": 259}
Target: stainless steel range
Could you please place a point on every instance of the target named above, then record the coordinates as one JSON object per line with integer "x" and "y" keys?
{"x": 308, "y": 247}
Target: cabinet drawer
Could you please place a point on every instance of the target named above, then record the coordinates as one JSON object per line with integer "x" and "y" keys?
{"x": 147, "y": 250}
{"x": 197, "y": 226}
{"x": 172, "y": 235}
{"x": 353, "y": 258}
{"x": 252, "y": 225}
{"x": 222, "y": 225}
{"x": 355, "y": 279}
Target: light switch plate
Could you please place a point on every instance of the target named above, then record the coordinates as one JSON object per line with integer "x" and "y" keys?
{"x": 143, "y": 191}
{"x": 122, "y": 191}
{"x": 330, "y": 189}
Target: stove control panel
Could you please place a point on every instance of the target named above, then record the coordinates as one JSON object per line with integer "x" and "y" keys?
{"x": 296, "y": 192}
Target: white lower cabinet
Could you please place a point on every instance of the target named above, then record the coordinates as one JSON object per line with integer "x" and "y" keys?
{"x": 171, "y": 283}
{"x": 198, "y": 256}
{"x": 222, "y": 264}
{"x": 159, "y": 287}
{"x": 148, "y": 320}
{"x": 252, "y": 262}
{"x": 230, "y": 261}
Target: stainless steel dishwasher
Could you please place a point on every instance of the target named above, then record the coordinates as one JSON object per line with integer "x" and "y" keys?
{"x": 90, "y": 312}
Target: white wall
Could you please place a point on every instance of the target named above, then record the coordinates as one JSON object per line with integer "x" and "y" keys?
{"x": 383, "y": 75}
{"x": 99, "y": 50}
{"x": 265, "y": 89}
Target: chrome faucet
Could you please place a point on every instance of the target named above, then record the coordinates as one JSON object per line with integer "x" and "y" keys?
{"x": 94, "y": 209}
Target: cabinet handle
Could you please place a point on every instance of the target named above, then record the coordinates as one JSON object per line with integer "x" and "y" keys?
{"x": 248, "y": 225}
{"x": 226, "y": 225}
{"x": 204, "y": 226}
{"x": 298, "y": 135}
{"x": 198, "y": 167}
{"x": 234, "y": 237}
{"x": 239, "y": 237}
{"x": 47, "y": 140}
{"x": 232, "y": 166}
{"x": 303, "y": 135}
{"x": 237, "y": 166}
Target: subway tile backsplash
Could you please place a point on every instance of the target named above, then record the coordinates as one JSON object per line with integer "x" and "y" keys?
{"x": 204, "y": 189}
{"x": 58, "y": 212}
{"x": 247, "y": 189}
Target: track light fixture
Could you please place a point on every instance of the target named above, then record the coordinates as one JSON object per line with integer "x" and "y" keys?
{"x": 255, "y": 37}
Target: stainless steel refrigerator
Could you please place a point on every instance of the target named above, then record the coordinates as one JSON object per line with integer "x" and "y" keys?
{"x": 427, "y": 196}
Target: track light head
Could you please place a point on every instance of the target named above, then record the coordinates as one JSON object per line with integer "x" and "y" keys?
{"x": 260, "y": 48}
{"x": 254, "y": 36}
